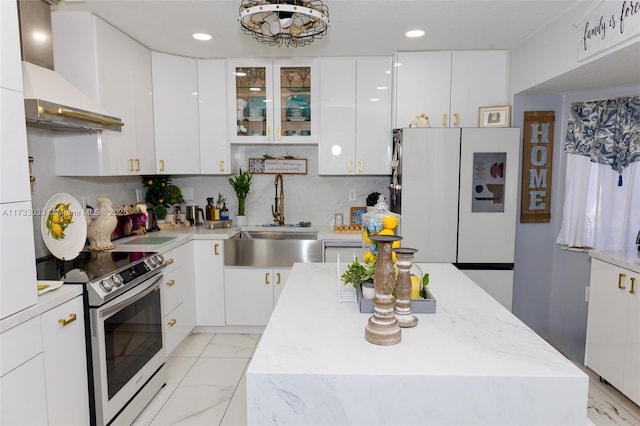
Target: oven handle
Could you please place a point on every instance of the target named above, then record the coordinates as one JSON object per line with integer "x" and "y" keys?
{"x": 107, "y": 311}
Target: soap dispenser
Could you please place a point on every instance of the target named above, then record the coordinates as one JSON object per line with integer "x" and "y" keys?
{"x": 209, "y": 209}
{"x": 224, "y": 212}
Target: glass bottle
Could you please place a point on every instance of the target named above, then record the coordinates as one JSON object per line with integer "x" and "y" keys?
{"x": 379, "y": 221}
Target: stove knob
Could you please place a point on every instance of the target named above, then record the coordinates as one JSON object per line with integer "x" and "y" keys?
{"x": 117, "y": 280}
{"x": 159, "y": 258}
{"x": 152, "y": 262}
{"x": 106, "y": 285}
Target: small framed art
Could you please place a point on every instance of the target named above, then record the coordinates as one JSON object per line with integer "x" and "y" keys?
{"x": 494, "y": 116}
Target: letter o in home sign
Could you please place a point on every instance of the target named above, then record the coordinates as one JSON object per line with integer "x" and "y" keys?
{"x": 537, "y": 156}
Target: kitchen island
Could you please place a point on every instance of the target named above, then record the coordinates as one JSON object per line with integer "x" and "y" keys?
{"x": 470, "y": 363}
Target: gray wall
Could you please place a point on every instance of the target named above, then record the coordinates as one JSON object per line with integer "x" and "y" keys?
{"x": 549, "y": 283}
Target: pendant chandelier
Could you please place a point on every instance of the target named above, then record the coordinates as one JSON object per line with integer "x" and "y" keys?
{"x": 293, "y": 23}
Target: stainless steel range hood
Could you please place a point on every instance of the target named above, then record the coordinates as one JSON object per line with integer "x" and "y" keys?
{"x": 50, "y": 100}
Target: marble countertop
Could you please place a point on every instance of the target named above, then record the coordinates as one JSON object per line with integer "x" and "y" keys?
{"x": 629, "y": 259}
{"x": 473, "y": 355}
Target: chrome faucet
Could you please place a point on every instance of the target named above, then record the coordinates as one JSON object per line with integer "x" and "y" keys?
{"x": 278, "y": 210}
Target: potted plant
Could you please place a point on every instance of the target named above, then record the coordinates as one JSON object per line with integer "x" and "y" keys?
{"x": 161, "y": 194}
{"x": 241, "y": 184}
{"x": 361, "y": 275}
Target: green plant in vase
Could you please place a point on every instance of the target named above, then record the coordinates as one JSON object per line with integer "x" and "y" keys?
{"x": 241, "y": 184}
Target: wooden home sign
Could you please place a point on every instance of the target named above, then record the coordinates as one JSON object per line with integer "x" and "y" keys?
{"x": 537, "y": 156}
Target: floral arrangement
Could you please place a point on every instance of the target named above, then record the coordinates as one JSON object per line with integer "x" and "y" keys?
{"x": 161, "y": 193}
{"x": 358, "y": 273}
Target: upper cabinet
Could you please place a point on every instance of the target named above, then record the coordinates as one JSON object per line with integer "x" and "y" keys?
{"x": 115, "y": 70}
{"x": 212, "y": 109}
{"x": 355, "y": 116}
{"x": 448, "y": 87}
{"x": 272, "y": 102}
{"x": 10, "y": 66}
{"x": 175, "y": 114}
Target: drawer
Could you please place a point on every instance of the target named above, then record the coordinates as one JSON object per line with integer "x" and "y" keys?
{"x": 176, "y": 326}
{"x": 177, "y": 257}
{"x": 19, "y": 344}
{"x": 174, "y": 288}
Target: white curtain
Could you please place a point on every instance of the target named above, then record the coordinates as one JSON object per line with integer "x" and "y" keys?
{"x": 598, "y": 213}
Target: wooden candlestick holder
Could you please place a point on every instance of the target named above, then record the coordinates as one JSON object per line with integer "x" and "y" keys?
{"x": 403, "y": 288}
{"x": 382, "y": 328}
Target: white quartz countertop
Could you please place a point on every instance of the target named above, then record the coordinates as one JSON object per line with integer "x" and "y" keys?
{"x": 629, "y": 259}
{"x": 471, "y": 348}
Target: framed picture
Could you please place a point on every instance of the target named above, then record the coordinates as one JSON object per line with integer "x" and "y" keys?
{"x": 494, "y": 116}
{"x": 356, "y": 215}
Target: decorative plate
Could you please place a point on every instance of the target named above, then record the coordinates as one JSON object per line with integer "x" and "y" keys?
{"x": 64, "y": 227}
{"x": 47, "y": 286}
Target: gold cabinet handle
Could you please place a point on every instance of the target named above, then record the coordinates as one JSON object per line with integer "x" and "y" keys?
{"x": 131, "y": 164}
{"x": 620, "y": 277}
{"x": 633, "y": 285}
{"x": 137, "y": 164}
{"x": 444, "y": 120}
{"x": 162, "y": 165}
{"x": 278, "y": 277}
{"x": 268, "y": 133}
{"x": 221, "y": 166}
{"x": 266, "y": 278}
{"x": 215, "y": 249}
{"x": 170, "y": 283}
{"x": 361, "y": 166}
{"x": 279, "y": 133}
{"x": 172, "y": 322}
{"x": 169, "y": 261}
{"x": 64, "y": 322}
{"x": 456, "y": 119}
{"x": 349, "y": 166}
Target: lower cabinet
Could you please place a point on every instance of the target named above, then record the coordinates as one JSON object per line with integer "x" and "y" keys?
{"x": 613, "y": 340}
{"x": 209, "y": 275}
{"x": 179, "y": 295}
{"x": 252, "y": 293}
{"x": 44, "y": 369}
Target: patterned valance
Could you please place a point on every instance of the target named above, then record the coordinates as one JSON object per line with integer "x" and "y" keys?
{"x": 607, "y": 131}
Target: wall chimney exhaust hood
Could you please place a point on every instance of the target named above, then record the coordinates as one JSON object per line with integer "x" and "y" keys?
{"x": 50, "y": 100}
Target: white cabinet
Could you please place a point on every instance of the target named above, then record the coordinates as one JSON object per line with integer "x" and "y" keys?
{"x": 272, "y": 101}
{"x": 14, "y": 159}
{"x": 252, "y": 293}
{"x": 115, "y": 70}
{"x": 613, "y": 321}
{"x": 212, "y": 110}
{"x": 10, "y": 66}
{"x": 448, "y": 86}
{"x": 175, "y": 114}
{"x": 179, "y": 295}
{"x": 209, "y": 277}
{"x": 65, "y": 364}
{"x": 355, "y": 116}
{"x": 43, "y": 373}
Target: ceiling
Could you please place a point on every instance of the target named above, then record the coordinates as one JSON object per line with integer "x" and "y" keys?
{"x": 358, "y": 28}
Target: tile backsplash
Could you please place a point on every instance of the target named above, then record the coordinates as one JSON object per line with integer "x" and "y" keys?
{"x": 308, "y": 197}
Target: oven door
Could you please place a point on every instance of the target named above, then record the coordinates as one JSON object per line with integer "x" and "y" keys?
{"x": 127, "y": 345}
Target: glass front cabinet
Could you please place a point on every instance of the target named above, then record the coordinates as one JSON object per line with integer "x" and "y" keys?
{"x": 275, "y": 102}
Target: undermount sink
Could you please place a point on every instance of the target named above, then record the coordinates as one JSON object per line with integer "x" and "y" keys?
{"x": 276, "y": 235}
{"x": 272, "y": 248}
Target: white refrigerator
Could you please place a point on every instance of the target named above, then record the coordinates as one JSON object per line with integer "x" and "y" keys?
{"x": 457, "y": 191}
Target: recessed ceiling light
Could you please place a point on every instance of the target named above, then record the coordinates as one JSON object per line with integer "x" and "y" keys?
{"x": 202, "y": 36}
{"x": 414, "y": 33}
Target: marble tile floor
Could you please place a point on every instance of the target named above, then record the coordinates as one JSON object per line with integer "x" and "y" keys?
{"x": 206, "y": 386}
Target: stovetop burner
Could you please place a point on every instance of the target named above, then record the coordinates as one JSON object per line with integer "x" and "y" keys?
{"x": 106, "y": 274}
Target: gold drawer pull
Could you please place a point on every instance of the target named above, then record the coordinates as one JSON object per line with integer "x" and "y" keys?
{"x": 72, "y": 318}
{"x": 278, "y": 275}
{"x": 171, "y": 282}
{"x": 169, "y": 261}
{"x": 172, "y": 322}
{"x": 620, "y": 277}
{"x": 221, "y": 165}
{"x": 633, "y": 285}
{"x": 215, "y": 249}
{"x": 266, "y": 278}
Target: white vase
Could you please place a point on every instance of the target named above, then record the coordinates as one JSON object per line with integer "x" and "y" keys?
{"x": 241, "y": 220}
{"x": 368, "y": 290}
